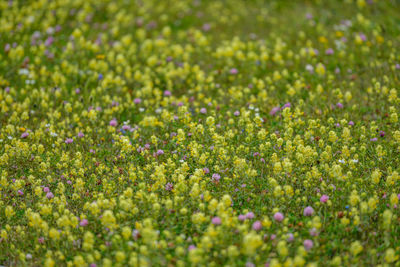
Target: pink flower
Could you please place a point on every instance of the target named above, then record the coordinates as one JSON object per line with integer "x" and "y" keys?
{"x": 167, "y": 93}
{"x": 236, "y": 113}
{"x": 308, "y": 211}
{"x": 49, "y": 195}
{"x": 274, "y": 111}
{"x": 257, "y": 226}
{"x": 329, "y": 51}
{"x": 216, "y": 221}
{"x": 250, "y": 215}
{"x": 241, "y": 217}
{"x": 308, "y": 244}
{"x": 69, "y": 140}
{"x": 84, "y": 222}
{"x": 126, "y": 127}
{"x": 203, "y": 110}
{"x": 46, "y": 189}
{"x": 233, "y": 71}
{"x": 113, "y": 123}
{"x": 324, "y": 198}
{"x": 80, "y": 135}
{"x": 25, "y": 135}
{"x": 137, "y": 100}
{"x": 278, "y": 217}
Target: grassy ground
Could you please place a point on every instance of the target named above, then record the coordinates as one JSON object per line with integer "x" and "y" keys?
{"x": 192, "y": 133}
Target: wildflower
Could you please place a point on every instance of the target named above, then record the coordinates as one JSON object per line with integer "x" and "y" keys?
{"x": 169, "y": 187}
{"x": 233, "y": 71}
{"x": 308, "y": 211}
{"x": 69, "y": 141}
{"x": 113, "y": 123}
{"x": 250, "y": 215}
{"x": 257, "y": 226}
{"x": 324, "y": 198}
{"x": 278, "y": 217}
{"x": 216, "y": 221}
{"x": 308, "y": 244}
{"x": 216, "y": 177}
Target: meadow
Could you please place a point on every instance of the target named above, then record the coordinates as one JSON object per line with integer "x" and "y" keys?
{"x": 199, "y": 133}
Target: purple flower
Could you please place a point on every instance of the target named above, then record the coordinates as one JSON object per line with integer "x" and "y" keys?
{"x": 169, "y": 186}
{"x": 20, "y": 192}
{"x": 250, "y": 215}
{"x": 236, "y": 113}
{"x": 374, "y": 139}
{"x": 167, "y": 93}
{"x": 25, "y": 135}
{"x": 329, "y": 51}
{"x": 84, "y": 223}
{"x": 257, "y": 226}
{"x": 324, "y": 198}
{"x": 308, "y": 244}
{"x": 216, "y": 177}
{"x": 242, "y": 217}
{"x": 69, "y": 140}
{"x": 191, "y": 247}
{"x": 351, "y": 123}
{"x": 274, "y": 111}
{"x": 203, "y": 110}
{"x": 382, "y": 133}
{"x": 278, "y": 217}
{"x": 80, "y": 135}
{"x": 137, "y": 101}
{"x": 126, "y": 127}
{"x": 308, "y": 211}
{"x": 233, "y": 71}
{"x": 206, "y": 170}
{"x": 113, "y": 122}
{"x": 49, "y": 195}
{"x": 216, "y": 221}
{"x": 160, "y": 152}
{"x": 363, "y": 37}
{"x": 46, "y": 189}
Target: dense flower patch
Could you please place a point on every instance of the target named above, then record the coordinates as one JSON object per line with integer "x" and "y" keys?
{"x": 199, "y": 133}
